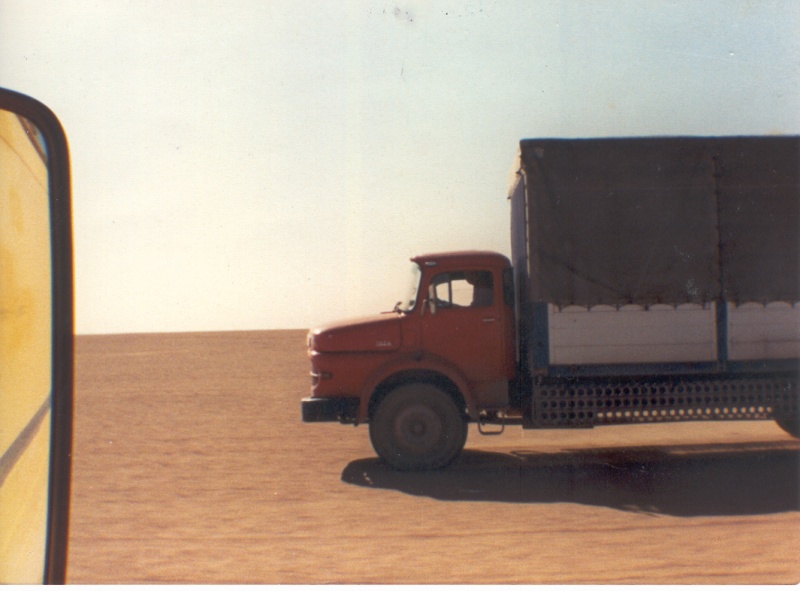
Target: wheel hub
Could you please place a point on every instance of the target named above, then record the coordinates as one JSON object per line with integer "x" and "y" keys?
{"x": 419, "y": 428}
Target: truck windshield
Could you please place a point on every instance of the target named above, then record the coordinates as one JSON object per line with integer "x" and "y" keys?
{"x": 410, "y": 297}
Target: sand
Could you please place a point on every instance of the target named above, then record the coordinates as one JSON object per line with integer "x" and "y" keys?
{"x": 191, "y": 465}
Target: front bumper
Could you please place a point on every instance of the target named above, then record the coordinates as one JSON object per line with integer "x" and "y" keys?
{"x": 320, "y": 410}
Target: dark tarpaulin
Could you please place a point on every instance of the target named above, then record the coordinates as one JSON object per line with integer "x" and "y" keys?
{"x": 760, "y": 218}
{"x": 641, "y": 220}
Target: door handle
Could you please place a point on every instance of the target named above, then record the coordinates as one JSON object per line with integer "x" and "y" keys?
{"x": 490, "y": 319}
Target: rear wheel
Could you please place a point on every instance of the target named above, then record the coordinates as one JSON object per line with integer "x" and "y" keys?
{"x": 791, "y": 426}
{"x": 418, "y": 427}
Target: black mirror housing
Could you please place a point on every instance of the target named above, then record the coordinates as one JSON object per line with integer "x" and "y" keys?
{"x": 38, "y": 132}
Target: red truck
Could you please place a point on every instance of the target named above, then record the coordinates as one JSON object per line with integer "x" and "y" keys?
{"x": 653, "y": 280}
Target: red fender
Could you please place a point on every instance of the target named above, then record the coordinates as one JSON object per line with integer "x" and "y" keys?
{"x": 413, "y": 362}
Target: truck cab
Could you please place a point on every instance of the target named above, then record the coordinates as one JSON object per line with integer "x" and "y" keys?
{"x": 445, "y": 354}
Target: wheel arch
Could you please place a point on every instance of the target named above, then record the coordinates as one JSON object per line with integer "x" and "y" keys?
{"x": 424, "y": 376}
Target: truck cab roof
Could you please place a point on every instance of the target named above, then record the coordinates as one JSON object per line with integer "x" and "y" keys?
{"x": 463, "y": 257}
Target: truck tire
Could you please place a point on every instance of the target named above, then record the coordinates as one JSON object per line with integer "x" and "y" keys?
{"x": 791, "y": 426}
{"x": 418, "y": 427}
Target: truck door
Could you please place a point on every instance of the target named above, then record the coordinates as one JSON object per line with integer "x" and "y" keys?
{"x": 467, "y": 326}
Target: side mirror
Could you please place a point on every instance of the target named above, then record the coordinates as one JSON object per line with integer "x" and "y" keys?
{"x": 36, "y": 342}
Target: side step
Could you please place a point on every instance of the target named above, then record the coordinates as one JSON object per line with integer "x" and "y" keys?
{"x": 494, "y": 419}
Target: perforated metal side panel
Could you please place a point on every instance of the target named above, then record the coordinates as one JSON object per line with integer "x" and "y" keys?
{"x": 589, "y": 403}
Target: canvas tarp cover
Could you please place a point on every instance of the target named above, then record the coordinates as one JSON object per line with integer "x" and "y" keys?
{"x": 662, "y": 220}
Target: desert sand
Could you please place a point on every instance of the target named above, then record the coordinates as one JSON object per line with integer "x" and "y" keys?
{"x": 191, "y": 465}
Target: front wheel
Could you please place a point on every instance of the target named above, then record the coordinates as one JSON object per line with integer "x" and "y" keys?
{"x": 418, "y": 427}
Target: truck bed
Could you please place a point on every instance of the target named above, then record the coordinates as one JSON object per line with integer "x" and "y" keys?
{"x": 657, "y": 279}
{"x": 667, "y": 334}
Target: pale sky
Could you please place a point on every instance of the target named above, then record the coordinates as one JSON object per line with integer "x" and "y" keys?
{"x": 274, "y": 164}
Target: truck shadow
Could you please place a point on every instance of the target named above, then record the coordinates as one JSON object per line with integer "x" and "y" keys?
{"x": 681, "y": 480}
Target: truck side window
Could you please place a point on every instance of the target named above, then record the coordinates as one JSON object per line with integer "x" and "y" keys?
{"x": 468, "y": 289}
